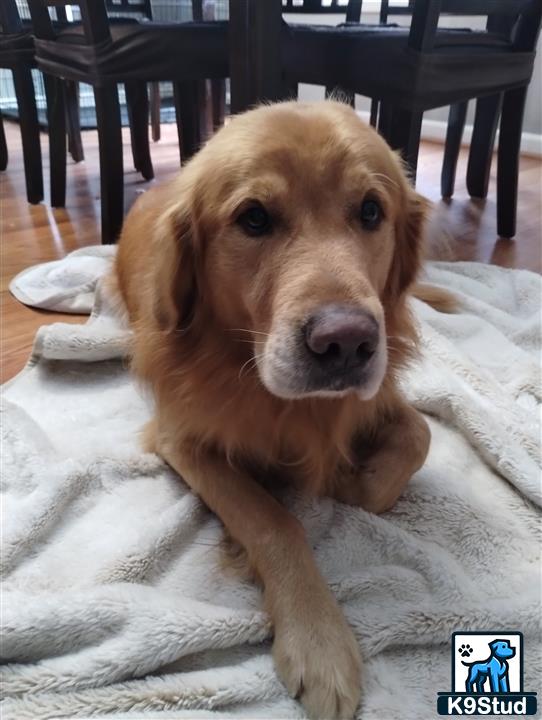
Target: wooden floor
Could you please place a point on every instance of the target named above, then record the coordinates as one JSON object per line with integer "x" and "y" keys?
{"x": 35, "y": 233}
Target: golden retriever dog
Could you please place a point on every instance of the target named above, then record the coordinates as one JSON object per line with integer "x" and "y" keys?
{"x": 267, "y": 287}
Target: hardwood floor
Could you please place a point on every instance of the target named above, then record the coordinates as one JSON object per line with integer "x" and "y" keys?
{"x": 30, "y": 234}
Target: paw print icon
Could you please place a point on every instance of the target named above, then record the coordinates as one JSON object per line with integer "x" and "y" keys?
{"x": 465, "y": 650}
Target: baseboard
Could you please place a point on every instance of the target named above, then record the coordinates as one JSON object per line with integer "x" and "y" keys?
{"x": 531, "y": 143}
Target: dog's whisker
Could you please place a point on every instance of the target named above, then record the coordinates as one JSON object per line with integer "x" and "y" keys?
{"x": 247, "y": 372}
{"x": 256, "y": 332}
{"x": 254, "y": 359}
{"x": 252, "y": 342}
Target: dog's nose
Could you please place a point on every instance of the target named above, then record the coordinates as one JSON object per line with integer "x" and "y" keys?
{"x": 342, "y": 336}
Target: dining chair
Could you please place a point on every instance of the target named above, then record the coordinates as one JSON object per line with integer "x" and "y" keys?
{"x": 486, "y": 120}
{"x": 407, "y": 70}
{"x": 103, "y": 54}
{"x": 352, "y": 14}
{"x": 519, "y": 25}
{"x": 17, "y": 55}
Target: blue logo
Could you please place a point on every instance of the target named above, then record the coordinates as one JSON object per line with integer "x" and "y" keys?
{"x": 487, "y": 676}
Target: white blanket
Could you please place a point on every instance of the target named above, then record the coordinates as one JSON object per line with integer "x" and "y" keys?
{"x": 113, "y": 600}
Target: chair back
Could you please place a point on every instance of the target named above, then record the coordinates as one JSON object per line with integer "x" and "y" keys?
{"x": 459, "y": 7}
{"x": 93, "y": 17}
{"x": 129, "y": 8}
{"x": 352, "y": 8}
{"x": 518, "y": 19}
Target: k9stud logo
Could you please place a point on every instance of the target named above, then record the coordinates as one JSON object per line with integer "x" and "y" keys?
{"x": 487, "y": 676}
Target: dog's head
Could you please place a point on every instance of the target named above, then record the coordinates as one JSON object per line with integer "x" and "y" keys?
{"x": 501, "y": 649}
{"x": 296, "y": 230}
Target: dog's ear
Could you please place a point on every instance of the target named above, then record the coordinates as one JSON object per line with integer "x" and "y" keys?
{"x": 408, "y": 251}
{"x": 175, "y": 282}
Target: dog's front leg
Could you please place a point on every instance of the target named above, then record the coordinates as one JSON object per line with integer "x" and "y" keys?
{"x": 314, "y": 649}
{"x": 385, "y": 462}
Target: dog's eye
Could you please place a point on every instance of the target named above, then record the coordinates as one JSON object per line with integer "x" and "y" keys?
{"x": 255, "y": 221}
{"x": 371, "y": 214}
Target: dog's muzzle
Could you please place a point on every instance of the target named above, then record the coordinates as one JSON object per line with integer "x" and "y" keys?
{"x": 340, "y": 348}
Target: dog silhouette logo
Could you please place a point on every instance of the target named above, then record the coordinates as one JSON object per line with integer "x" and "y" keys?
{"x": 487, "y": 676}
{"x": 495, "y": 669}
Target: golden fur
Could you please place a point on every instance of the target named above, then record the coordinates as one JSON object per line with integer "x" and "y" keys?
{"x": 214, "y": 311}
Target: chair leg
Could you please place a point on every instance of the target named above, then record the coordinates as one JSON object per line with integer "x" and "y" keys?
{"x": 374, "y": 113}
{"x": 30, "y": 133}
{"x": 137, "y": 102}
{"x": 218, "y": 100}
{"x": 454, "y": 135}
{"x": 186, "y": 96}
{"x": 486, "y": 119}
{"x": 155, "y": 111}
{"x": 508, "y": 161}
{"x": 402, "y": 129}
{"x": 111, "y": 168}
{"x": 130, "y": 101}
{"x": 3, "y": 146}
{"x": 75, "y": 145}
{"x": 384, "y": 120}
{"x": 56, "y": 122}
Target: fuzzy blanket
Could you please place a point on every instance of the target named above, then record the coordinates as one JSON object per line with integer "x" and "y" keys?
{"x": 113, "y": 602}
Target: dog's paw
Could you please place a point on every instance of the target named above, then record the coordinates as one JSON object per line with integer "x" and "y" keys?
{"x": 320, "y": 664}
{"x": 465, "y": 650}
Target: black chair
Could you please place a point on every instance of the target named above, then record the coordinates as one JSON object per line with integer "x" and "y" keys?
{"x": 103, "y": 54}
{"x": 17, "y": 55}
{"x": 63, "y": 92}
{"x": 486, "y": 119}
{"x": 426, "y": 67}
{"x": 458, "y": 112}
{"x": 407, "y": 70}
